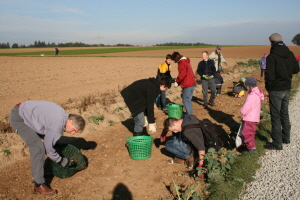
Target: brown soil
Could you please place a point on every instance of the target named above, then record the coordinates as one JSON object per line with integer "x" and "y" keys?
{"x": 90, "y": 86}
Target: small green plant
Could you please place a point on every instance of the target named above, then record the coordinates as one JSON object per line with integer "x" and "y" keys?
{"x": 246, "y": 72}
{"x": 120, "y": 108}
{"x": 190, "y": 193}
{"x": 218, "y": 164}
{"x": 169, "y": 92}
{"x": 122, "y": 115}
{"x": 176, "y": 98}
{"x": 111, "y": 122}
{"x": 6, "y": 152}
{"x": 96, "y": 119}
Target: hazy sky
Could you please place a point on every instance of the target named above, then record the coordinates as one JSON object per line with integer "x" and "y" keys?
{"x": 142, "y": 22}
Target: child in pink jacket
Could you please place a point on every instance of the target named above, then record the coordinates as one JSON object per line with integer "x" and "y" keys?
{"x": 251, "y": 113}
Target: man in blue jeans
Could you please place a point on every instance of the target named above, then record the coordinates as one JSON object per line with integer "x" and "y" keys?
{"x": 281, "y": 65}
{"x": 185, "y": 140}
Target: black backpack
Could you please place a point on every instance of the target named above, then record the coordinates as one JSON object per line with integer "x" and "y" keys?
{"x": 210, "y": 133}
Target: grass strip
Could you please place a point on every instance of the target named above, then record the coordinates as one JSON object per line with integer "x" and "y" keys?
{"x": 245, "y": 166}
{"x": 101, "y": 50}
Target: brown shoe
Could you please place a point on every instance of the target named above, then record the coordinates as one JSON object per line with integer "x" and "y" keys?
{"x": 176, "y": 161}
{"x": 44, "y": 189}
{"x": 190, "y": 162}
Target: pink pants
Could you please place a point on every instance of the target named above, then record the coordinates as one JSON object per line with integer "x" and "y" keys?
{"x": 248, "y": 132}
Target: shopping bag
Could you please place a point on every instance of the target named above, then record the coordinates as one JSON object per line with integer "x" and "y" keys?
{"x": 238, "y": 139}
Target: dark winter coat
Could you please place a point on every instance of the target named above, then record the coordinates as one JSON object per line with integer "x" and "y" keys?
{"x": 206, "y": 68}
{"x": 193, "y": 135}
{"x": 140, "y": 96}
{"x": 281, "y": 65}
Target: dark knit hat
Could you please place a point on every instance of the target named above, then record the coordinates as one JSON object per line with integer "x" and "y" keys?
{"x": 251, "y": 82}
{"x": 218, "y": 47}
{"x": 275, "y": 37}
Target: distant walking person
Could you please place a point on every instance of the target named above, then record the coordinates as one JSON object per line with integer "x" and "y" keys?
{"x": 281, "y": 65}
{"x": 263, "y": 65}
{"x": 186, "y": 79}
{"x": 218, "y": 58}
{"x": 56, "y": 51}
{"x": 206, "y": 69}
{"x": 40, "y": 124}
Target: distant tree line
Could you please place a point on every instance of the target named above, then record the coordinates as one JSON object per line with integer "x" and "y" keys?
{"x": 39, "y": 43}
{"x": 182, "y": 44}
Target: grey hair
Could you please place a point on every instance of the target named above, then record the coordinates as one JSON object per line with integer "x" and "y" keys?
{"x": 77, "y": 121}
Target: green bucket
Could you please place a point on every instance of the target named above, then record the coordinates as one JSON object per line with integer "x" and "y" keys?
{"x": 174, "y": 110}
{"x": 73, "y": 154}
{"x": 139, "y": 147}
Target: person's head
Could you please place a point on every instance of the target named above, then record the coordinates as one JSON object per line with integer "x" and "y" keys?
{"x": 205, "y": 55}
{"x": 265, "y": 54}
{"x": 165, "y": 83}
{"x": 218, "y": 49}
{"x": 75, "y": 124}
{"x": 173, "y": 125}
{"x": 168, "y": 58}
{"x": 176, "y": 56}
{"x": 275, "y": 37}
{"x": 250, "y": 83}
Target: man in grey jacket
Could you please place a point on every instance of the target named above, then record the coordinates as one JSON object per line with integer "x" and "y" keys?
{"x": 36, "y": 120}
{"x": 218, "y": 58}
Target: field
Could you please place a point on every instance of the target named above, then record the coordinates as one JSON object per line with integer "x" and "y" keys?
{"x": 89, "y": 85}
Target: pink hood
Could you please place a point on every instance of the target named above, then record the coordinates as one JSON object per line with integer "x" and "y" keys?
{"x": 251, "y": 108}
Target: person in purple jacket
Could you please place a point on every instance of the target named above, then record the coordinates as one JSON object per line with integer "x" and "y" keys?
{"x": 37, "y": 120}
{"x": 250, "y": 112}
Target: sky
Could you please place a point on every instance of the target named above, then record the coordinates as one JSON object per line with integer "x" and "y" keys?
{"x": 145, "y": 22}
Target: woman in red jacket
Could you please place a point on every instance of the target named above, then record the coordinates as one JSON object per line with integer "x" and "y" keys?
{"x": 186, "y": 79}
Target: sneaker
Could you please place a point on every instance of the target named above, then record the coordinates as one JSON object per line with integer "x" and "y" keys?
{"x": 212, "y": 103}
{"x": 252, "y": 150}
{"x": 165, "y": 110}
{"x": 272, "y": 146}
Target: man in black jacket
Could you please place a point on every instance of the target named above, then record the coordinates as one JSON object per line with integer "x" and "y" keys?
{"x": 281, "y": 65}
{"x": 140, "y": 97}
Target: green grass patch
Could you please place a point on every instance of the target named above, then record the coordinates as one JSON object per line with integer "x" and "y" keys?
{"x": 101, "y": 50}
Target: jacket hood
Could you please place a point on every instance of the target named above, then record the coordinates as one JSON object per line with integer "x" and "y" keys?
{"x": 258, "y": 92}
{"x": 184, "y": 59}
{"x": 189, "y": 119}
{"x": 280, "y": 49}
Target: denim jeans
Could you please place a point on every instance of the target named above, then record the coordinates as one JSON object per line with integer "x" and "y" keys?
{"x": 178, "y": 147}
{"x": 279, "y": 110}
{"x": 187, "y": 95}
{"x": 161, "y": 100}
{"x": 139, "y": 122}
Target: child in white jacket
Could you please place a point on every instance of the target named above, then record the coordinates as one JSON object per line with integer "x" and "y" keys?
{"x": 251, "y": 114}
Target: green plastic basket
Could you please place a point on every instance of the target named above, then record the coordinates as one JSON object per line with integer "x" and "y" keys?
{"x": 174, "y": 110}
{"x": 139, "y": 147}
{"x": 72, "y": 153}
